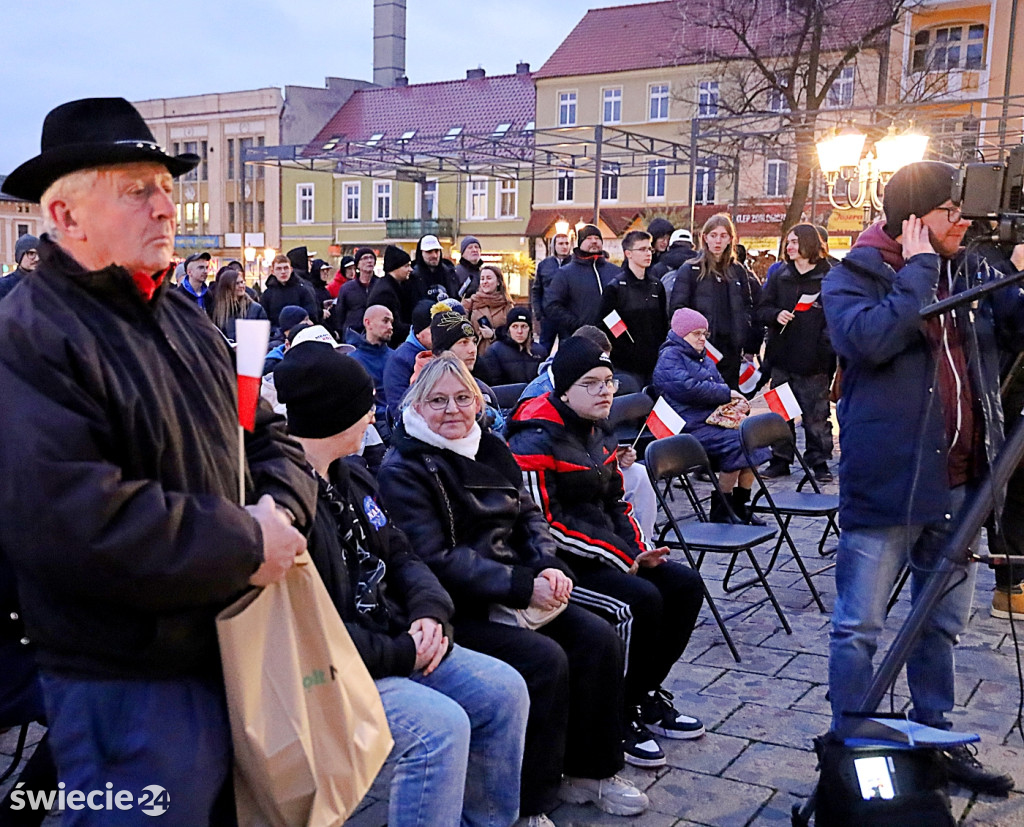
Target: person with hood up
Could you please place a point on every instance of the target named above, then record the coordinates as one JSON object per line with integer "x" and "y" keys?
{"x": 433, "y": 272}
{"x": 660, "y": 230}
{"x": 298, "y": 257}
{"x": 458, "y": 718}
{"x": 640, "y": 301}
{"x": 467, "y": 271}
{"x": 680, "y": 250}
{"x": 799, "y": 350}
{"x": 919, "y": 425}
{"x": 351, "y": 302}
{"x": 514, "y": 357}
{"x": 575, "y": 296}
{"x": 26, "y": 257}
{"x": 546, "y": 269}
{"x": 489, "y": 306}
{"x": 387, "y": 290}
{"x": 319, "y": 272}
{"x": 346, "y": 272}
{"x": 283, "y": 288}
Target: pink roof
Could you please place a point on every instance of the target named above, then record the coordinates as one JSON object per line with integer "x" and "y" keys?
{"x": 477, "y": 105}
{"x": 657, "y": 35}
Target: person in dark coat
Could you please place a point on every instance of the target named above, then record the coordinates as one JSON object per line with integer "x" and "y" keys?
{"x": 568, "y": 457}
{"x": 298, "y": 257}
{"x": 688, "y": 379}
{"x": 283, "y": 289}
{"x": 639, "y": 299}
{"x": 799, "y": 350}
{"x": 546, "y": 269}
{"x": 432, "y": 272}
{"x": 387, "y": 291}
{"x": 458, "y": 717}
{"x": 400, "y": 367}
{"x": 458, "y": 493}
{"x": 514, "y": 357}
{"x": 660, "y": 230}
{"x": 319, "y": 272}
{"x": 919, "y": 424}
{"x": 228, "y": 301}
{"x": 126, "y": 417}
{"x": 575, "y": 296}
{"x": 197, "y": 269}
{"x": 351, "y": 302}
{"x": 713, "y": 284}
{"x": 467, "y": 271}
{"x": 680, "y": 250}
{"x": 373, "y": 353}
{"x": 26, "y": 259}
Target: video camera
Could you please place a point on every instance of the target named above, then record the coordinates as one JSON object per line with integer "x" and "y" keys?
{"x": 994, "y": 192}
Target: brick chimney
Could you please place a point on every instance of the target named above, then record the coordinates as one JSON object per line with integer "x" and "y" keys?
{"x": 388, "y": 41}
{"x": 476, "y": 74}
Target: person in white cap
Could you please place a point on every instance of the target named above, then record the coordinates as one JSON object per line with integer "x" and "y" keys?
{"x": 432, "y": 272}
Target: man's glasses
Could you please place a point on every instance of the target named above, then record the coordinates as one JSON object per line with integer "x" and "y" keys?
{"x": 952, "y": 213}
{"x": 440, "y": 403}
{"x": 597, "y": 387}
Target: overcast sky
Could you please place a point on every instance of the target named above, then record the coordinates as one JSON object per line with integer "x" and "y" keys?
{"x": 56, "y": 51}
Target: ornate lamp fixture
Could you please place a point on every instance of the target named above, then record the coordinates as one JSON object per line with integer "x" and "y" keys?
{"x": 839, "y": 158}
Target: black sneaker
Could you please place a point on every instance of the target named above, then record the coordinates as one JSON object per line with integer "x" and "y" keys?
{"x": 775, "y": 469}
{"x": 966, "y": 770}
{"x": 639, "y": 746}
{"x": 662, "y": 718}
{"x": 821, "y": 473}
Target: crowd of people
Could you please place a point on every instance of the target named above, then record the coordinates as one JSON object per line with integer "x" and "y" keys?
{"x": 492, "y": 562}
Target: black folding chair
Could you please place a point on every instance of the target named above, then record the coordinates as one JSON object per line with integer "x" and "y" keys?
{"x": 508, "y": 395}
{"x": 627, "y": 417}
{"x": 19, "y": 751}
{"x": 677, "y": 458}
{"x": 763, "y": 431}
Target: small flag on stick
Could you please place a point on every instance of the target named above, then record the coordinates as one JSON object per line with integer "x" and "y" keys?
{"x": 749, "y": 377}
{"x": 782, "y": 401}
{"x": 713, "y": 352}
{"x": 806, "y": 302}
{"x": 613, "y": 321}
{"x": 251, "y": 337}
{"x": 663, "y": 421}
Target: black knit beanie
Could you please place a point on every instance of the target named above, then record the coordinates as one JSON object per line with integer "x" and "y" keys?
{"x": 916, "y": 189}
{"x": 574, "y": 358}
{"x": 421, "y": 315}
{"x": 394, "y": 257}
{"x": 448, "y": 326}
{"x": 519, "y": 314}
{"x": 364, "y": 251}
{"x": 326, "y": 391}
{"x": 587, "y": 231}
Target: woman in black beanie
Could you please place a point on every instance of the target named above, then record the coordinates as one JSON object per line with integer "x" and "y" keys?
{"x": 514, "y": 358}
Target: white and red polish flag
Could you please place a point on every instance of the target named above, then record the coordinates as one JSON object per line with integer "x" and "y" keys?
{"x": 749, "y": 377}
{"x": 613, "y": 321}
{"x": 663, "y": 421}
{"x": 806, "y": 302}
{"x": 713, "y": 352}
{"x": 782, "y": 401}
{"x": 251, "y": 338}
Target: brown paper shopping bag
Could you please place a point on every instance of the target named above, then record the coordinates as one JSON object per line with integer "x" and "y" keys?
{"x": 307, "y": 724}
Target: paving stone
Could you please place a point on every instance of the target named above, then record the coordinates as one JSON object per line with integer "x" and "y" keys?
{"x": 785, "y": 727}
{"x": 806, "y": 667}
{"x": 987, "y": 811}
{"x": 586, "y": 815}
{"x": 784, "y": 768}
{"x": 708, "y": 755}
{"x": 761, "y": 661}
{"x": 718, "y": 802}
{"x": 687, "y": 679}
{"x": 751, "y": 688}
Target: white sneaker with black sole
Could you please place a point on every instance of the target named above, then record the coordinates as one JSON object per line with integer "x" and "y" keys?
{"x": 660, "y": 717}
{"x": 639, "y": 747}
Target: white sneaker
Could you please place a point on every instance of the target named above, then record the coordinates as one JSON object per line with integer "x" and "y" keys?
{"x": 613, "y": 795}
{"x": 539, "y": 820}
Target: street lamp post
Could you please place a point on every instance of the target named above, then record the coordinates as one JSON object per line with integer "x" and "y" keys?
{"x": 839, "y": 158}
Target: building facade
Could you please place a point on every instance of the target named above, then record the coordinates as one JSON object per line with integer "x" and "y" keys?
{"x": 17, "y": 218}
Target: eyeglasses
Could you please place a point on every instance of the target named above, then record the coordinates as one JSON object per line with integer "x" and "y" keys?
{"x": 700, "y": 334}
{"x": 598, "y": 386}
{"x": 440, "y": 403}
{"x": 952, "y": 213}
{"x": 641, "y": 250}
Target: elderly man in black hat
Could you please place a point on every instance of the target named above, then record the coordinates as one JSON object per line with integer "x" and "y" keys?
{"x": 574, "y": 297}
{"x": 120, "y": 477}
{"x": 918, "y": 424}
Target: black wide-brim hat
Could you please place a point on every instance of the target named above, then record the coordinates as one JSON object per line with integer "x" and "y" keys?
{"x": 87, "y": 133}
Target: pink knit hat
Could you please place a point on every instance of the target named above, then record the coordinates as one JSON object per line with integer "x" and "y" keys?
{"x": 686, "y": 320}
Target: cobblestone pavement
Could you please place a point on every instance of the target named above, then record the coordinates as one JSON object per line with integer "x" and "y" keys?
{"x": 756, "y": 761}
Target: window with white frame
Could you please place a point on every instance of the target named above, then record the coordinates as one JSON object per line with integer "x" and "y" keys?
{"x": 612, "y": 109}
{"x": 567, "y": 109}
{"x": 610, "y": 182}
{"x": 381, "y": 200}
{"x": 350, "y": 200}
{"x": 949, "y": 47}
{"x": 658, "y": 110}
{"x": 705, "y": 185}
{"x": 707, "y": 99}
{"x": 776, "y": 178}
{"x": 508, "y": 197}
{"x": 840, "y": 93}
{"x": 777, "y": 96}
{"x": 304, "y": 203}
{"x": 565, "y": 185}
{"x": 656, "y": 173}
{"x": 426, "y": 196}
{"x": 476, "y": 198}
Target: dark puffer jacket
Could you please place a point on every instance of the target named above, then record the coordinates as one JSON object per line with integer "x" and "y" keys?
{"x": 297, "y": 291}
{"x": 506, "y": 363}
{"x": 689, "y": 291}
{"x": 689, "y": 381}
{"x": 143, "y": 540}
{"x": 387, "y": 291}
{"x": 471, "y": 520}
{"x": 409, "y": 590}
{"x": 803, "y": 345}
{"x": 673, "y": 258}
{"x": 641, "y": 304}
{"x": 431, "y": 278}
{"x": 574, "y": 298}
{"x": 350, "y": 307}
{"x": 571, "y": 470}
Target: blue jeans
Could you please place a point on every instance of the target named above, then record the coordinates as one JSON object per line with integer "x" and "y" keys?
{"x": 135, "y": 733}
{"x": 867, "y": 564}
{"x": 459, "y": 735}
